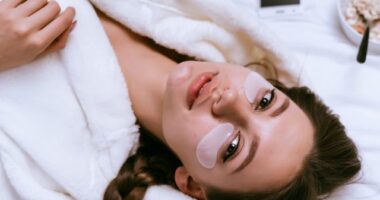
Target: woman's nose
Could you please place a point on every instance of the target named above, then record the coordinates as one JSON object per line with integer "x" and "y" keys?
{"x": 229, "y": 105}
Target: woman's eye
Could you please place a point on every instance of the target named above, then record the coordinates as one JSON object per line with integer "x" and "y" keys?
{"x": 232, "y": 148}
{"x": 266, "y": 100}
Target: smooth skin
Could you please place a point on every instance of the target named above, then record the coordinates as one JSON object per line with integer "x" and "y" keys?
{"x": 31, "y": 29}
{"x": 274, "y": 140}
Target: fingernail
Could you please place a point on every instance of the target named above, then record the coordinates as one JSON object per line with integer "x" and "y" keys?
{"x": 73, "y": 25}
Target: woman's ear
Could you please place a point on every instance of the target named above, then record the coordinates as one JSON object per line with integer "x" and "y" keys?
{"x": 187, "y": 185}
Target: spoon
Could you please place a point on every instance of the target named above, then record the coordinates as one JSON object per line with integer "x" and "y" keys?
{"x": 363, "y": 48}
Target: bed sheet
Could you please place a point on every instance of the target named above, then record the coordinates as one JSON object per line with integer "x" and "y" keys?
{"x": 328, "y": 61}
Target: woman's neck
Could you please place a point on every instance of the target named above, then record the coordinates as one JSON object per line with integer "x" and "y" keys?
{"x": 145, "y": 71}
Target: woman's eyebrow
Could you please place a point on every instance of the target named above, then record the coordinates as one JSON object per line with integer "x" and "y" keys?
{"x": 281, "y": 109}
{"x": 251, "y": 154}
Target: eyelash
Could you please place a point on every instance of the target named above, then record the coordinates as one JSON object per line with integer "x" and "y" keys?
{"x": 269, "y": 101}
{"x": 235, "y": 145}
{"x": 236, "y": 142}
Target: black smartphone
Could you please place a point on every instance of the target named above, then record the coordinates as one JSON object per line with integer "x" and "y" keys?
{"x": 274, "y": 8}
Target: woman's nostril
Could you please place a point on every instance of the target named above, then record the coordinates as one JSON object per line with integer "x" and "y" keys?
{"x": 216, "y": 94}
{"x": 229, "y": 96}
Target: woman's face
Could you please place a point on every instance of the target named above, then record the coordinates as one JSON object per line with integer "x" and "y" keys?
{"x": 233, "y": 130}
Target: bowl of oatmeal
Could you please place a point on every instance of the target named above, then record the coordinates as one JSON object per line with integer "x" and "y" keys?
{"x": 352, "y": 16}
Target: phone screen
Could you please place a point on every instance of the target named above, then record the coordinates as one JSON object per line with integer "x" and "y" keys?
{"x": 270, "y": 3}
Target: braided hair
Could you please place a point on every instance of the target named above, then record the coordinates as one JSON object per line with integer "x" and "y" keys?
{"x": 152, "y": 164}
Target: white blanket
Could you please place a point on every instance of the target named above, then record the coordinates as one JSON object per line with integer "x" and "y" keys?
{"x": 66, "y": 123}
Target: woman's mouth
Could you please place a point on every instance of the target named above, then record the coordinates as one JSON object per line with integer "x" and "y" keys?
{"x": 199, "y": 87}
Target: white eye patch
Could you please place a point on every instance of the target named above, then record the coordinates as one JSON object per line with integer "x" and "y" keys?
{"x": 252, "y": 85}
{"x": 208, "y": 147}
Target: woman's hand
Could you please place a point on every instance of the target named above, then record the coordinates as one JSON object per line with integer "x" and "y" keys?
{"x": 31, "y": 28}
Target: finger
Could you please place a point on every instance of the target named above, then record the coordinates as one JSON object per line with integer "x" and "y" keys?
{"x": 58, "y": 26}
{"x": 10, "y": 3}
{"x": 59, "y": 43}
{"x": 43, "y": 17}
{"x": 31, "y": 6}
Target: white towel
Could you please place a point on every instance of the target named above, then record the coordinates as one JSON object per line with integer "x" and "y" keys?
{"x": 213, "y": 30}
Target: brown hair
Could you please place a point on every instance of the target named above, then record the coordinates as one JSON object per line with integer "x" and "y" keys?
{"x": 333, "y": 162}
{"x": 152, "y": 164}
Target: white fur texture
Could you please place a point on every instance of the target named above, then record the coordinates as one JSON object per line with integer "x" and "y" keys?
{"x": 212, "y": 30}
{"x": 165, "y": 192}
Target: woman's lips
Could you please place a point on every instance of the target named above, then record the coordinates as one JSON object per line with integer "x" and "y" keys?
{"x": 199, "y": 87}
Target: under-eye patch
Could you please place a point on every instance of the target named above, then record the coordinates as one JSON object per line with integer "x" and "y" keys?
{"x": 208, "y": 147}
{"x": 253, "y": 84}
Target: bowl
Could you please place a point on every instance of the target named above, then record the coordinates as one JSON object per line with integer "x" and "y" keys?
{"x": 351, "y": 33}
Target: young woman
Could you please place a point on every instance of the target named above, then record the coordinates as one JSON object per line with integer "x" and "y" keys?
{"x": 216, "y": 130}
{"x": 221, "y": 131}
